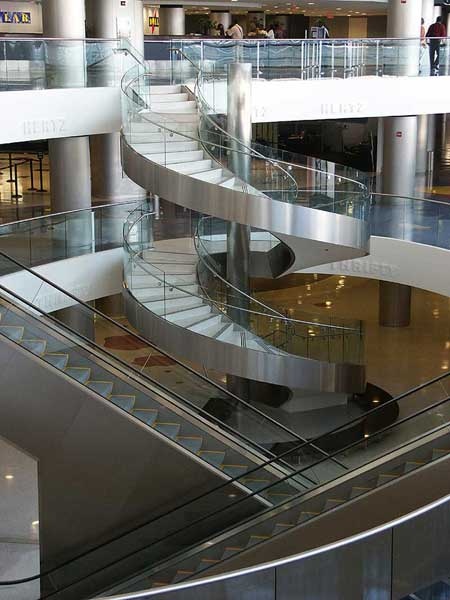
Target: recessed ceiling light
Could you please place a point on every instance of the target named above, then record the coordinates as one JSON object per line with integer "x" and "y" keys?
{"x": 9, "y": 476}
{"x": 339, "y": 9}
{"x": 35, "y": 523}
{"x": 310, "y": 3}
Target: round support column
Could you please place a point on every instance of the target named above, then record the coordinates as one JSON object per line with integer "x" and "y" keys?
{"x": 221, "y": 16}
{"x": 70, "y": 175}
{"x": 171, "y": 20}
{"x": 399, "y": 155}
{"x": 394, "y": 304}
{"x": 404, "y": 22}
{"x": 108, "y": 19}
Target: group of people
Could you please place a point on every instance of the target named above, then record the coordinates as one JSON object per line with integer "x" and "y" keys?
{"x": 433, "y": 36}
{"x": 256, "y": 30}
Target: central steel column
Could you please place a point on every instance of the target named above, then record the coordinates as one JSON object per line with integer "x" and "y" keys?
{"x": 239, "y": 125}
{"x": 70, "y": 176}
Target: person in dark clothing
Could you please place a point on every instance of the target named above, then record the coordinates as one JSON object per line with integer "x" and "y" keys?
{"x": 435, "y": 33}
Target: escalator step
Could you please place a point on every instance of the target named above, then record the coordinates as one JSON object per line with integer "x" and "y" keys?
{"x": 57, "y": 360}
{"x": 190, "y": 443}
{"x": 206, "y": 562}
{"x": 169, "y": 429}
{"x": 231, "y": 551}
{"x": 124, "y": 401}
{"x": 104, "y": 388}
{"x": 305, "y": 515}
{"x": 214, "y": 457}
{"x": 280, "y": 527}
{"x": 255, "y": 484}
{"x": 147, "y": 415}
{"x": 257, "y": 539}
{"x": 412, "y": 465}
{"x": 235, "y": 470}
{"x": 333, "y": 502}
{"x": 81, "y": 374}
{"x": 35, "y": 346}
{"x": 13, "y": 332}
{"x": 358, "y": 490}
{"x": 181, "y": 575}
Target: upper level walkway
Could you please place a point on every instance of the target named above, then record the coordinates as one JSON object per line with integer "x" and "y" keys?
{"x": 75, "y": 83}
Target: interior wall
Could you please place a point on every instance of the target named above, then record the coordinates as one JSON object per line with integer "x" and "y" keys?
{"x": 357, "y": 27}
{"x": 376, "y": 26}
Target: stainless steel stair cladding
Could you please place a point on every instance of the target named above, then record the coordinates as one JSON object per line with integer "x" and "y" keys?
{"x": 330, "y": 236}
{"x": 290, "y": 370}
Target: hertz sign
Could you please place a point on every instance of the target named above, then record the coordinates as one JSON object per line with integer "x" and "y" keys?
{"x": 15, "y": 17}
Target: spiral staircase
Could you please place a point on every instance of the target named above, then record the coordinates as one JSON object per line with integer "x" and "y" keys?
{"x": 173, "y": 145}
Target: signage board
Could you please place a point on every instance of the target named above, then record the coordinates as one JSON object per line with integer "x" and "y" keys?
{"x": 15, "y": 17}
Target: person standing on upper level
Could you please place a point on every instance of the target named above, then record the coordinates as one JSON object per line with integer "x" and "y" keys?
{"x": 322, "y": 31}
{"x": 235, "y": 32}
{"x": 435, "y": 33}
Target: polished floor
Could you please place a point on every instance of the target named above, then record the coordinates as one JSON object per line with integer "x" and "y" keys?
{"x": 397, "y": 358}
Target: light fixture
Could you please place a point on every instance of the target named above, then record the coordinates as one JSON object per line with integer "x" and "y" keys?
{"x": 375, "y": 401}
{"x": 366, "y": 435}
{"x": 328, "y": 303}
{"x": 9, "y": 476}
{"x": 339, "y": 9}
{"x": 232, "y": 495}
{"x": 35, "y": 523}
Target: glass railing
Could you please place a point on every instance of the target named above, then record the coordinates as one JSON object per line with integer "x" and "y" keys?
{"x": 425, "y": 221}
{"x": 405, "y": 558}
{"x": 256, "y": 326}
{"x": 310, "y": 58}
{"x": 40, "y": 63}
{"x": 46, "y": 239}
{"x": 424, "y": 412}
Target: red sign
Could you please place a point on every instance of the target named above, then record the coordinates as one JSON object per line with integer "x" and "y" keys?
{"x": 398, "y": 134}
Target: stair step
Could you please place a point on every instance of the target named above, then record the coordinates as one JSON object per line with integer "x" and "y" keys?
{"x": 214, "y": 457}
{"x": 193, "y": 443}
{"x": 167, "y": 144}
{"x": 13, "y": 332}
{"x": 235, "y": 470}
{"x": 125, "y": 401}
{"x": 171, "y": 158}
{"x": 81, "y": 374}
{"x": 188, "y": 106}
{"x": 211, "y": 176}
{"x": 208, "y": 326}
{"x": 57, "y": 360}
{"x": 104, "y": 388}
{"x": 165, "y": 89}
{"x": 194, "y": 166}
{"x": 183, "y": 317}
{"x": 173, "y": 305}
{"x": 385, "y": 478}
{"x": 35, "y": 346}
{"x": 168, "y": 429}
{"x": 160, "y": 294}
{"x": 170, "y": 96}
{"x": 146, "y": 415}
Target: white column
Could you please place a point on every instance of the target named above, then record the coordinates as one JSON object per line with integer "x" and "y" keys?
{"x": 221, "y": 16}
{"x": 109, "y": 19}
{"x": 428, "y": 13}
{"x": 171, "y": 20}
{"x": 403, "y": 21}
{"x": 70, "y": 176}
{"x": 399, "y": 160}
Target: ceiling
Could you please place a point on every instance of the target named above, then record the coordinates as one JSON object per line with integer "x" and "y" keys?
{"x": 330, "y": 8}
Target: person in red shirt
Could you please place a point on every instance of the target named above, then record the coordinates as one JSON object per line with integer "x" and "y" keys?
{"x": 435, "y": 33}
